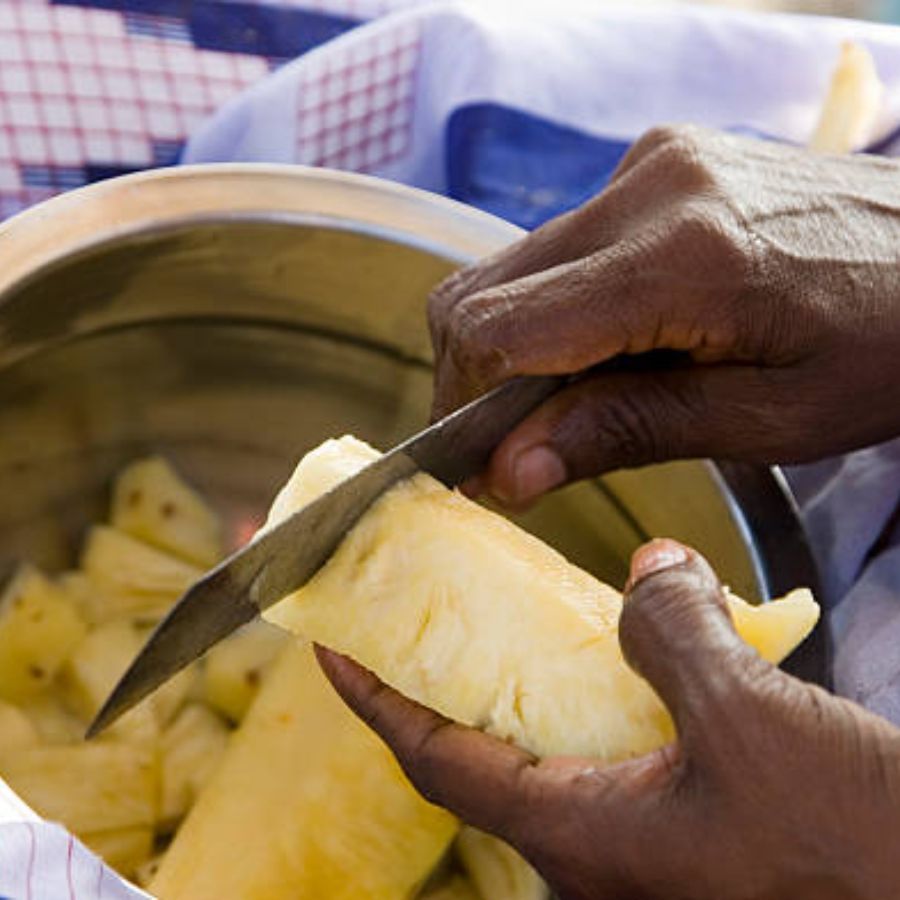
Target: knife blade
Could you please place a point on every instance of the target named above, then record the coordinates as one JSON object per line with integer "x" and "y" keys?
{"x": 282, "y": 559}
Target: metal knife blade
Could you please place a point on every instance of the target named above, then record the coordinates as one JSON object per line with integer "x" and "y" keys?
{"x": 284, "y": 558}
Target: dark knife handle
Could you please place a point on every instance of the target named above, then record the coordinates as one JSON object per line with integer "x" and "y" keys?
{"x": 461, "y": 444}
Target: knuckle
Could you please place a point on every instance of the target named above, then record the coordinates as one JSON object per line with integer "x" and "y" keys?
{"x": 443, "y": 298}
{"x": 474, "y": 331}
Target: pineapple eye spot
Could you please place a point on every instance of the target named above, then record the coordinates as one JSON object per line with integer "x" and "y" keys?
{"x": 36, "y": 672}
{"x": 37, "y": 616}
{"x": 251, "y": 677}
{"x": 134, "y": 497}
{"x": 168, "y": 510}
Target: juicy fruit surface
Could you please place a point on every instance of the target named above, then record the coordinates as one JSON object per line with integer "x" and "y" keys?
{"x": 64, "y": 643}
{"x": 496, "y": 870}
{"x": 316, "y": 804}
{"x": 461, "y": 610}
{"x": 152, "y": 503}
{"x": 39, "y": 627}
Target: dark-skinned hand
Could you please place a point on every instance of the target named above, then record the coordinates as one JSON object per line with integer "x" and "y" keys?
{"x": 775, "y": 271}
{"x": 774, "y": 790}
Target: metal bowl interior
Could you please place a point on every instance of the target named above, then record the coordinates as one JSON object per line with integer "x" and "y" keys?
{"x": 232, "y": 339}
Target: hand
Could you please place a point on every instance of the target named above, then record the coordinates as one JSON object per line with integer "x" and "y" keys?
{"x": 774, "y": 789}
{"x": 775, "y": 271}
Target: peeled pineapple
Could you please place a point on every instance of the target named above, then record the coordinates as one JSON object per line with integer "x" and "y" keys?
{"x": 39, "y": 627}
{"x": 496, "y": 870}
{"x": 93, "y": 671}
{"x": 330, "y": 814}
{"x": 153, "y": 504}
{"x": 124, "y": 849}
{"x": 97, "y": 787}
{"x": 54, "y": 722}
{"x": 234, "y": 669}
{"x": 192, "y": 747}
{"x": 133, "y": 578}
{"x": 17, "y": 731}
{"x": 459, "y": 609}
{"x": 458, "y": 888}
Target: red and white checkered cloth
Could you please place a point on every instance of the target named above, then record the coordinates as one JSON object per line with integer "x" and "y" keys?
{"x": 87, "y": 92}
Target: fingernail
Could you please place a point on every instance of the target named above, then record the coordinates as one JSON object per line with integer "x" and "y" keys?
{"x": 657, "y": 556}
{"x": 536, "y": 471}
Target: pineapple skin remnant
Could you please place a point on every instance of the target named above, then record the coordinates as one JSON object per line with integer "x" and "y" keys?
{"x": 459, "y": 609}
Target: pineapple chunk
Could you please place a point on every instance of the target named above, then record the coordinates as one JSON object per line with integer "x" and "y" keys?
{"x": 169, "y": 700}
{"x": 133, "y": 578}
{"x": 461, "y": 610}
{"x": 460, "y": 888}
{"x": 17, "y": 732}
{"x": 496, "y": 870}
{"x": 53, "y": 722}
{"x": 191, "y": 749}
{"x": 125, "y": 849}
{"x": 152, "y": 503}
{"x": 307, "y": 804}
{"x": 146, "y": 872}
{"x": 39, "y": 628}
{"x": 89, "y": 787}
{"x": 233, "y": 670}
{"x": 93, "y": 671}
{"x": 101, "y": 603}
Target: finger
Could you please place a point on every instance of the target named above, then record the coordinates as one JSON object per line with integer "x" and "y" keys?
{"x": 479, "y": 778}
{"x": 626, "y": 419}
{"x": 677, "y": 633}
{"x": 675, "y": 288}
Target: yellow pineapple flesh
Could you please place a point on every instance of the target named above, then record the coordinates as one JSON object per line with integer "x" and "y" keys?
{"x": 233, "y": 671}
{"x": 329, "y": 811}
{"x": 104, "y": 786}
{"x": 125, "y": 849}
{"x": 496, "y": 870}
{"x": 39, "y": 628}
{"x": 17, "y": 731}
{"x": 93, "y": 671}
{"x": 459, "y": 609}
{"x": 191, "y": 747}
{"x": 133, "y": 578}
{"x": 459, "y": 888}
{"x": 153, "y": 503}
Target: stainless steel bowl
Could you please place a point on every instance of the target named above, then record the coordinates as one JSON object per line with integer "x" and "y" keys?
{"x": 232, "y": 317}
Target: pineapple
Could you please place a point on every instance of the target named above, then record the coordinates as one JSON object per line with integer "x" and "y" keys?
{"x": 307, "y": 803}
{"x": 496, "y": 869}
{"x": 150, "y": 502}
{"x": 169, "y": 700}
{"x": 17, "y": 731}
{"x": 191, "y": 749}
{"x": 132, "y": 578}
{"x": 461, "y": 610}
{"x": 90, "y": 788}
{"x": 233, "y": 670}
{"x": 39, "y": 628}
{"x": 125, "y": 849}
{"x": 54, "y": 723}
{"x": 146, "y": 872}
{"x": 95, "y": 668}
{"x": 458, "y": 888}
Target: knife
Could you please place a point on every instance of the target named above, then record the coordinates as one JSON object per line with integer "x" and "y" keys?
{"x": 284, "y": 558}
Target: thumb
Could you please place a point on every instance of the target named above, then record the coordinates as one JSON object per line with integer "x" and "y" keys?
{"x": 676, "y": 632}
